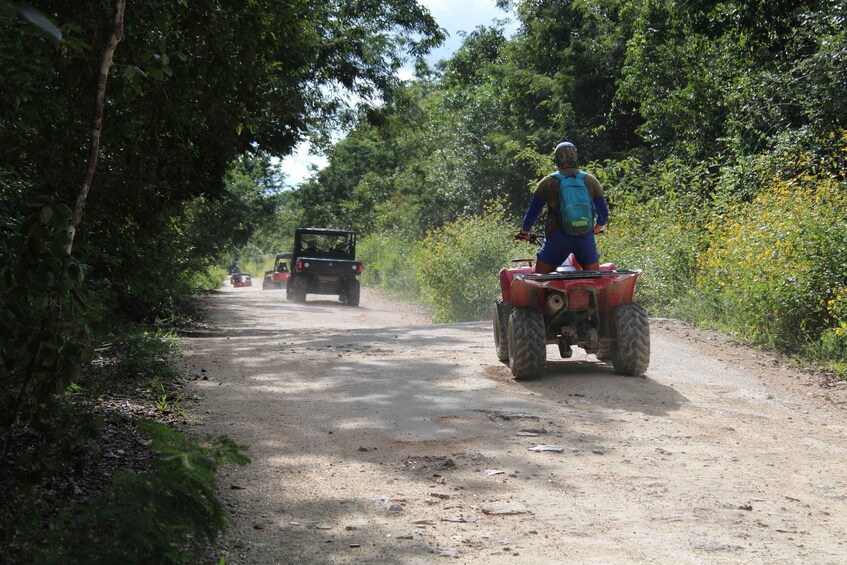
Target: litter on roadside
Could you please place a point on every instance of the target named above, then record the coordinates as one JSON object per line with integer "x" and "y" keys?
{"x": 553, "y": 448}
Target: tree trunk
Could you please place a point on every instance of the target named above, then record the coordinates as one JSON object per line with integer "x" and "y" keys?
{"x": 97, "y": 123}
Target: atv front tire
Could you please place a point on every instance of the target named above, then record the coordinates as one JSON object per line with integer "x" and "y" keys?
{"x": 527, "y": 343}
{"x": 632, "y": 352}
{"x": 502, "y": 310}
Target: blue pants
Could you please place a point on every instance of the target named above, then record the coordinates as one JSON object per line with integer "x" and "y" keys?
{"x": 558, "y": 246}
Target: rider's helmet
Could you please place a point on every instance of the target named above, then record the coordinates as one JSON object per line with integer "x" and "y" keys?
{"x": 565, "y": 155}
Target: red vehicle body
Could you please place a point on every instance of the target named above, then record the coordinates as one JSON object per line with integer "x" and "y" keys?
{"x": 241, "y": 279}
{"x": 278, "y": 278}
{"x": 611, "y": 288}
{"x": 590, "y": 309}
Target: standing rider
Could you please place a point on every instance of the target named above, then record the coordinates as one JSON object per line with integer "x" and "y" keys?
{"x": 557, "y": 244}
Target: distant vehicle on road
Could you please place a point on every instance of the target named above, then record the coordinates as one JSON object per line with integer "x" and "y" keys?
{"x": 241, "y": 279}
{"x": 278, "y": 277}
{"x": 324, "y": 262}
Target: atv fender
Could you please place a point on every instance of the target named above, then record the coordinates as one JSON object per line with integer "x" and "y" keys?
{"x": 506, "y": 276}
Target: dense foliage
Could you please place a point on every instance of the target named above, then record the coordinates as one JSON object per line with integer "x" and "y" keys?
{"x": 171, "y": 506}
{"x": 194, "y": 87}
{"x": 198, "y": 96}
{"x": 467, "y": 246}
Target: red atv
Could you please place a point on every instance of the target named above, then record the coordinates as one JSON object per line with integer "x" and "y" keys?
{"x": 590, "y": 309}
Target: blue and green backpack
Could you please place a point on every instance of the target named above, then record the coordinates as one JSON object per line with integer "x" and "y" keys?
{"x": 576, "y": 209}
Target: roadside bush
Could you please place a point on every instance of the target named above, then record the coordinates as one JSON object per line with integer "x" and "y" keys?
{"x": 210, "y": 279}
{"x": 459, "y": 263}
{"x": 390, "y": 265}
{"x": 141, "y": 354}
{"x": 776, "y": 270}
{"x": 158, "y": 516}
{"x": 155, "y": 517}
{"x": 757, "y": 248}
{"x": 656, "y": 223}
{"x": 136, "y": 354}
{"x": 833, "y": 341}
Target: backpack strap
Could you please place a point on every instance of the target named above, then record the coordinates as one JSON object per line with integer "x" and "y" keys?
{"x": 579, "y": 175}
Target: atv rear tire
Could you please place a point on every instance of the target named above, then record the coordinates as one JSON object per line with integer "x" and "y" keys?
{"x": 502, "y": 310}
{"x": 632, "y": 351}
{"x": 527, "y": 343}
{"x": 351, "y": 294}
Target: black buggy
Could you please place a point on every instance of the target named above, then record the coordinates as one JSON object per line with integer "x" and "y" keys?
{"x": 324, "y": 262}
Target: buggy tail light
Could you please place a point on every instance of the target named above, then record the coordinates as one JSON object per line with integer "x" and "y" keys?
{"x": 358, "y": 269}
{"x": 299, "y": 265}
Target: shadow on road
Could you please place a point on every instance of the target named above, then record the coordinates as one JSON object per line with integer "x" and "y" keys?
{"x": 409, "y": 401}
{"x": 595, "y": 383}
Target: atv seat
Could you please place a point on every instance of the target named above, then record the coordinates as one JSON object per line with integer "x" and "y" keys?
{"x": 571, "y": 265}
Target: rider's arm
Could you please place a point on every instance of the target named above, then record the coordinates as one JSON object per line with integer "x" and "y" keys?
{"x": 532, "y": 213}
{"x": 602, "y": 210}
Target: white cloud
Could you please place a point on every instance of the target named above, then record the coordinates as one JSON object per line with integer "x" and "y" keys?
{"x": 298, "y": 166}
{"x": 464, "y": 16}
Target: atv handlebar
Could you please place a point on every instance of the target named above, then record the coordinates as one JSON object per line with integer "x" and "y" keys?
{"x": 537, "y": 237}
{"x": 531, "y": 237}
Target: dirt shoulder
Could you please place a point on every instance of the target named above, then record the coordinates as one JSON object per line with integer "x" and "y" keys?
{"x": 378, "y": 437}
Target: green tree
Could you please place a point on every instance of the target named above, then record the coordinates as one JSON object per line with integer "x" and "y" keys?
{"x": 195, "y": 85}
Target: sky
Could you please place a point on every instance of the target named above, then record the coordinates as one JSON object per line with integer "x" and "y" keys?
{"x": 455, "y": 17}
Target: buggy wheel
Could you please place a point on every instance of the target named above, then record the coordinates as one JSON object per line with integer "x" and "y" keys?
{"x": 527, "y": 342}
{"x": 296, "y": 291}
{"x": 502, "y": 310}
{"x": 631, "y": 354}
{"x": 351, "y": 293}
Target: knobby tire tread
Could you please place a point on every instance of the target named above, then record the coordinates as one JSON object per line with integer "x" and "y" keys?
{"x": 632, "y": 351}
{"x": 527, "y": 343}
{"x": 502, "y": 310}
{"x": 353, "y": 291}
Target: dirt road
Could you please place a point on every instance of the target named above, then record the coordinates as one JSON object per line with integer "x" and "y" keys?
{"x": 379, "y": 438}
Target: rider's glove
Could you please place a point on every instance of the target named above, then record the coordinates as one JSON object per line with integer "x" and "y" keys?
{"x": 523, "y": 235}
